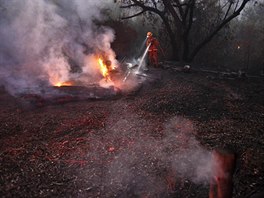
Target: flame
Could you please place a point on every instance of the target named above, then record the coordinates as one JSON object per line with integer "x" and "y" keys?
{"x": 104, "y": 69}
{"x": 60, "y": 84}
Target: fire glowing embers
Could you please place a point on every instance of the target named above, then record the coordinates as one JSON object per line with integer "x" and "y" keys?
{"x": 105, "y": 74}
{"x": 63, "y": 84}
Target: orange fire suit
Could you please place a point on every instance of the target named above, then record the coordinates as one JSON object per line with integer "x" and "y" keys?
{"x": 153, "y": 51}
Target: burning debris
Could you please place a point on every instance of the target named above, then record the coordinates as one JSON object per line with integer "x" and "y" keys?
{"x": 110, "y": 82}
{"x": 107, "y": 70}
{"x": 104, "y": 69}
{"x": 64, "y": 84}
{"x": 64, "y": 51}
{"x": 56, "y": 52}
{"x": 59, "y": 58}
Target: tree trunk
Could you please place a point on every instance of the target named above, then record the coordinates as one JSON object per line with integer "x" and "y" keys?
{"x": 186, "y": 49}
{"x": 175, "y": 52}
{"x": 172, "y": 36}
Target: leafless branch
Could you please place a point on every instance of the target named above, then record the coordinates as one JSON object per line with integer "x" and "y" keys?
{"x": 129, "y": 6}
{"x": 228, "y": 9}
{"x": 134, "y": 15}
{"x": 144, "y": 8}
{"x": 224, "y": 5}
{"x": 236, "y": 5}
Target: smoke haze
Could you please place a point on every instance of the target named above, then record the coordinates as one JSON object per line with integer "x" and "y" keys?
{"x": 42, "y": 41}
{"x": 143, "y": 165}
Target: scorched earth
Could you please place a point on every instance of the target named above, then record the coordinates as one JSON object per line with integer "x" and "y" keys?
{"x": 153, "y": 142}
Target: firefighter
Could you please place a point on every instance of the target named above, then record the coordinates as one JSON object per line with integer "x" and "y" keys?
{"x": 153, "y": 49}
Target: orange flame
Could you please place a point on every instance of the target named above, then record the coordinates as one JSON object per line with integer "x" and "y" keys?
{"x": 104, "y": 69}
{"x": 61, "y": 84}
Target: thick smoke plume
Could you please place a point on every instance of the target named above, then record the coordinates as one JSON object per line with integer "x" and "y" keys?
{"x": 45, "y": 42}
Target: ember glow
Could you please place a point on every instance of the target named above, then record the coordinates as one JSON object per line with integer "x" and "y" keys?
{"x": 61, "y": 84}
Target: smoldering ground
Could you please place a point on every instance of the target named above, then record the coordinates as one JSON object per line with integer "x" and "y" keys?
{"x": 42, "y": 42}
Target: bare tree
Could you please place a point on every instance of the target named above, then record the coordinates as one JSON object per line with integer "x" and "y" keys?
{"x": 178, "y": 17}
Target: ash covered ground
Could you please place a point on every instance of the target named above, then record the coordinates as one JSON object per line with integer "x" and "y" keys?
{"x": 155, "y": 142}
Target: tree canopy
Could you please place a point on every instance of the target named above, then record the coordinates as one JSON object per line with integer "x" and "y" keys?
{"x": 185, "y": 18}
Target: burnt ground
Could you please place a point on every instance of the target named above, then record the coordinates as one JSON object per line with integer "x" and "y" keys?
{"x": 155, "y": 142}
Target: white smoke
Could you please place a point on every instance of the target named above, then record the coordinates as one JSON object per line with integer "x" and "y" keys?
{"x": 43, "y": 41}
{"x": 144, "y": 162}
